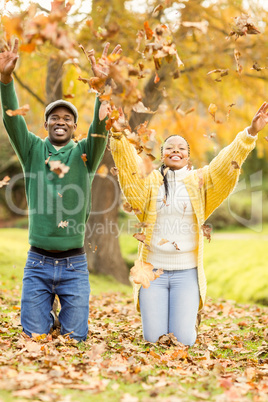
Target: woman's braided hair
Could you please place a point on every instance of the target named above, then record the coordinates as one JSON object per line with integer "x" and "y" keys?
{"x": 163, "y": 166}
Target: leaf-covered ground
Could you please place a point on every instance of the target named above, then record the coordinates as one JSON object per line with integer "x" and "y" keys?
{"x": 228, "y": 363}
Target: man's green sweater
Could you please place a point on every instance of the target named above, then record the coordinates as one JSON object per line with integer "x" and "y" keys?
{"x": 52, "y": 200}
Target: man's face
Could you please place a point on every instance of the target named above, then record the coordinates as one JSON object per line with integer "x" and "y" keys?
{"x": 60, "y": 126}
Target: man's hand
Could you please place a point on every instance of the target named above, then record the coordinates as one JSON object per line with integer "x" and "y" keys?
{"x": 101, "y": 69}
{"x": 8, "y": 60}
{"x": 260, "y": 120}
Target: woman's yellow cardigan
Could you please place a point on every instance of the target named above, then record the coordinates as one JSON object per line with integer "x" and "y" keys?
{"x": 207, "y": 187}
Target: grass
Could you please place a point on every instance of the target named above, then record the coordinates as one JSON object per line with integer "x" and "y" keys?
{"x": 236, "y": 268}
{"x": 13, "y": 254}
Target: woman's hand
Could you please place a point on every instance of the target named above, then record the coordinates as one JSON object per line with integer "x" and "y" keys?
{"x": 260, "y": 120}
{"x": 101, "y": 68}
{"x": 8, "y": 60}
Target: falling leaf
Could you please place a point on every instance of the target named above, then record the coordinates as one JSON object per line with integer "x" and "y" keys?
{"x": 98, "y": 135}
{"x": 149, "y": 33}
{"x": 140, "y": 236}
{"x": 114, "y": 171}
{"x": 156, "y": 78}
{"x": 142, "y": 273}
{"x": 140, "y": 108}
{"x": 202, "y": 25}
{"x": 237, "y": 55}
{"x": 244, "y": 25}
{"x": 221, "y": 73}
{"x": 165, "y": 170}
{"x": 47, "y": 160}
{"x": 229, "y": 110}
{"x": 84, "y": 158}
{"x": 5, "y": 181}
{"x": 127, "y": 207}
{"x": 22, "y": 111}
{"x": 157, "y": 9}
{"x": 63, "y": 224}
{"x": 266, "y": 138}
{"x": 103, "y": 171}
{"x": 175, "y": 245}
{"x": 163, "y": 241}
{"x": 212, "y": 109}
{"x": 59, "y": 168}
{"x": 104, "y": 110}
{"x": 235, "y": 165}
{"x": 60, "y": 195}
{"x": 207, "y": 229}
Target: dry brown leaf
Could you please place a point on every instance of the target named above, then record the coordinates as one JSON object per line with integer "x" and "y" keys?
{"x": 175, "y": 245}
{"x": 140, "y": 108}
{"x": 5, "y": 181}
{"x": 212, "y": 109}
{"x": 63, "y": 224}
{"x": 142, "y": 273}
{"x": 127, "y": 207}
{"x": 84, "y": 158}
{"x": 239, "y": 67}
{"x": 157, "y": 9}
{"x": 103, "y": 171}
{"x": 140, "y": 236}
{"x": 163, "y": 241}
{"x": 22, "y": 111}
{"x": 244, "y": 25}
{"x": 235, "y": 165}
{"x": 59, "y": 168}
{"x": 207, "y": 229}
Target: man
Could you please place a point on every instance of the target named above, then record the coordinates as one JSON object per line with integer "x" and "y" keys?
{"x": 58, "y": 176}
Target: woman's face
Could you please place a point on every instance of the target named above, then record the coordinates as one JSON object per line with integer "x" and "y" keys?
{"x": 175, "y": 153}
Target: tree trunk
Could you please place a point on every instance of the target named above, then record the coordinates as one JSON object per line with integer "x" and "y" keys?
{"x": 102, "y": 232}
{"x": 54, "y": 80}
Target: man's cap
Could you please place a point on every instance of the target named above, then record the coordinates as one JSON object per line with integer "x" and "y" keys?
{"x": 59, "y": 103}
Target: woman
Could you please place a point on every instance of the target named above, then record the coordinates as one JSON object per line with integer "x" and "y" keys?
{"x": 174, "y": 203}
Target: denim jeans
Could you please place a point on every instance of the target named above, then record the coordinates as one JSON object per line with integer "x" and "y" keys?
{"x": 170, "y": 305}
{"x": 43, "y": 278}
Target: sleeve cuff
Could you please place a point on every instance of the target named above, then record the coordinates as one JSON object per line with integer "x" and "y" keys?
{"x": 249, "y": 135}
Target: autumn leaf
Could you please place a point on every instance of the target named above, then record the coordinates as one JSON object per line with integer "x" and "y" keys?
{"x": 235, "y": 165}
{"x": 127, "y": 207}
{"x": 84, "y": 158}
{"x": 148, "y": 31}
{"x": 239, "y": 67}
{"x": 244, "y": 25}
{"x": 142, "y": 273}
{"x": 104, "y": 110}
{"x": 220, "y": 72}
{"x": 175, "y": 245}
{"x": 202, "y": 25}
{"x": 207, "y": 229}
{"x": 163, "y": 241}
{"x": 114, "y": 171}
{"x": 59, "y": 168}
{"x": 140, "y": 236}
{"x": 22, "y": 111}
{"x": 63, "y": 224}
{"x": 157, "y": 9}
{"x": 212, "y": 109}
{"x": 103, "y": 171}
{"x": 140, "y": 108}
{"x": 4, "y": 181}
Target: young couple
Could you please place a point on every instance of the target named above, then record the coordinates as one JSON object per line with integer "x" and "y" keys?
{"x": 57, "y": 264}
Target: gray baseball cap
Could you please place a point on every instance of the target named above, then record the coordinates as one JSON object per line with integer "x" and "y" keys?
{"x": 62, "y": 103}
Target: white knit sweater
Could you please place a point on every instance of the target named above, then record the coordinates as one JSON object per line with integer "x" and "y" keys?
{"x": 175, "y": 222}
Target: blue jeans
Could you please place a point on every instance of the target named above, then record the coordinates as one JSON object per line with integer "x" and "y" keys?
{"x": 43, "y": 278}
{"x": 170, "y": 305}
